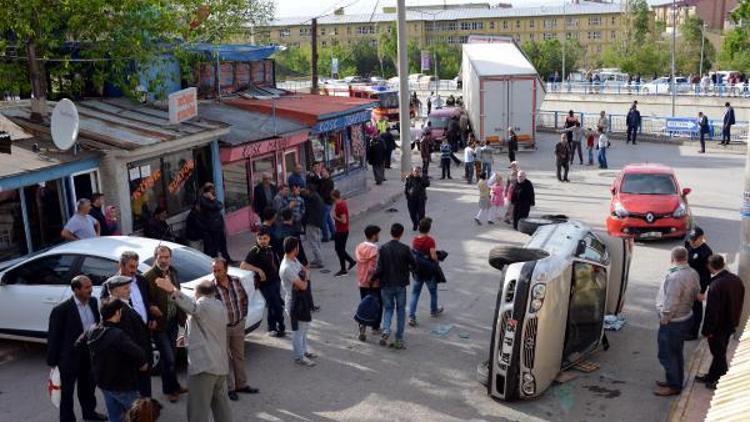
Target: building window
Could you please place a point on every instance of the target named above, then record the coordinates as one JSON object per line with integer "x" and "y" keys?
{"x": 366, "y": 29}
{"x": 550, "y": 23}
{"x": 322, "y": 30}
{"x": 348, "y": 30}
{"x": 518, "y": 23}
{"x": 284, "y": 33}
{"x": 505, "y": 24}
{"x": 492, "y": 24}
{"x": 323, "y": 44}
{"x": 531, "y": 23}
{"x": 335, "y": 30}
{"x": 612, "y": 35}
{"x": 595, "y": 35}
{"x": 571, "y": 22}
{"x": 236, "y": 192}
{"x": 595, "y": 20}
{"x": 477, "y": 26}
{"x": 373, "y": 42}
{"x": 531, "y": 36}
{"x": 549, "y": 36}
{"x": 613, "y": 20}
{"x": 304, "y": 31}
{"x": 465, "y": 26}
{"x": 452, "y": 26}
{"x": 572, "y": 35}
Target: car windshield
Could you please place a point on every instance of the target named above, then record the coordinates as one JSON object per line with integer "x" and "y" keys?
{"x": 648, "y": 184}
{"x": 190, "y": 264}
{"x": 439, "y": 122}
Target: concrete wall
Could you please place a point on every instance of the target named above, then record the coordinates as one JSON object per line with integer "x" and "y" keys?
{"x": 649, "y": 105}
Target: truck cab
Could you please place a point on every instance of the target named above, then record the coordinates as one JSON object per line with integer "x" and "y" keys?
{"x": 551, "y": 303}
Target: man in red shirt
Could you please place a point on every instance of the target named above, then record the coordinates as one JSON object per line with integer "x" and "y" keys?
{"x": 341, "y": 219}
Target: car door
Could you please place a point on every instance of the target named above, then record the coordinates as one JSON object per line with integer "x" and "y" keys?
{"x": 29, "y": 291}
{"x": 620, "y": 251}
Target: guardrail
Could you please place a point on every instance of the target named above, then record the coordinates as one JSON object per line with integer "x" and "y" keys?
{"x": 650, "y": 125}
{"x": 650, "y": 88}
{"x": 443, "y": 85}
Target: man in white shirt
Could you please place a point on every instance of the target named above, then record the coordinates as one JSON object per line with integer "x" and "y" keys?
{"x": 469, "y": 157}
{"x": 81, "y": 225}
{"x": 602, "y": 146}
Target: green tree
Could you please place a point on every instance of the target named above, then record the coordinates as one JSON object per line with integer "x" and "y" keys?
{"x": 735, "y": 50}
{"x": 115, "y": 35}
{"x": 546, "y": 56}
{"x": 688, "y": 52}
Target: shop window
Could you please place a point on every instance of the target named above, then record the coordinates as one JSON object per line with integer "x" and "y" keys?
{"x": 335, "y": 155}
{"x": 179, "y": 173}
{"x": 357, "y": 148}
{"x": 236, "y": 194}
{"x": 12, "y": 235}
{"x": 290, "y": 161}
{"x": 44, "y": 208}
{"x": 146, "y": 189}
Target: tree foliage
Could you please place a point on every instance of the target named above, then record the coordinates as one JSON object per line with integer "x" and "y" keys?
{"x": 547, "y": 56}
{"x": 735, "y": 50}
{"x": 688, "y": 56}
{"x": 98, "y": 40}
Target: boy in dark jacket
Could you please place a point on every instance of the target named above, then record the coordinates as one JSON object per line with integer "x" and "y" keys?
{"x": 115, "y": 359}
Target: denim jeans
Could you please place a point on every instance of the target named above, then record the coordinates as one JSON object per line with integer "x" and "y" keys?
{"x": 394, "y": 297}
{"x": 415, "y": 292}
{"x": 603, "y": 158}
{"x": 469, "y": 171}
{"x": 299, "y": 340}
{"x": 166, "y": 343}
{"x": 671, "y": 338}
{"x": 118, "y": 402}
{"x": 487, "y": 169}
{"x": 328, "y": 227}
{"x": 591, "y": 156}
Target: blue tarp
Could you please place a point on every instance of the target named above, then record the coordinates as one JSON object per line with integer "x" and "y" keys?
{"x": 235, "y": 52}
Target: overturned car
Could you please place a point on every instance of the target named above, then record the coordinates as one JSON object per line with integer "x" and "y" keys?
{"x": 550, "y": 308}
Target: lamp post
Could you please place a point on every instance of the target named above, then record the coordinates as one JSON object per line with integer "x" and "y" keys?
{"x": 674, "y": 43}
{"x": 403, "y": 89}
{"x": 565, "y": 40}
{"x": 703, "y": 45}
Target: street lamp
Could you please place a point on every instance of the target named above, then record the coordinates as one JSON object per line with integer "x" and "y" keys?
{"x": 565, "y": 40}
{"x": 674, "y": 43}
{"x": 434, "y": 50}
{"x": 703, "y": 44}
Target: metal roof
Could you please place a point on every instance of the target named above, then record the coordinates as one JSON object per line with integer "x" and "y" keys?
{"x": 497, "y": 59}
{"x": 305, "y": 108}
{"x": 248, "y": 126}
{"x": 235, "y": 52}
{"x": 23, "y": 159}
{"x": 730, "y": 401}
{"x": 118, "y": 123}
{"x": 456, "y": 14}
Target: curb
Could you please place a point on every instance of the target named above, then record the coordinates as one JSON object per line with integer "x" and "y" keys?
{"x": 679, "y": 408}
{"x": 10, "y": 350}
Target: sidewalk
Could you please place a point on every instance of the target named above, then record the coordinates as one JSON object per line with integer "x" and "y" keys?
{"x": 374, "y": 198}
{"x": 695, "y": 400}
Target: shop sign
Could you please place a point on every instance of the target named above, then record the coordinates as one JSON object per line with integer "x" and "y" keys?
{"x": 425, "y": 62}
{"x": 183, "y": 105}
{"x": 342, "y": 122}
{"x": 681, "y": 124}
{"x": 181, "y": 177}
{"x": 147, "y": 182}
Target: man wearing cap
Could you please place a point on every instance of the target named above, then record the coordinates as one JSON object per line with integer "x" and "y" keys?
{"x": 698, "y": 253}
{"x": 230, "y": 292}
{"x": 723, "y": 311}
{"x": 674, "y": 304}
{"x": 131, "y": 322}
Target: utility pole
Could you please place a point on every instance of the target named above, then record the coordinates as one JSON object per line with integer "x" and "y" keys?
{"x": 314, "y": 58}
{"x": 403, "y": 90}
{"x": 703, "y": 45}
{"x": 434, "y": 57}
{"x": 674, "y": 46}
{"x": 565, "y": 40}
{"x": 743, "y": 269}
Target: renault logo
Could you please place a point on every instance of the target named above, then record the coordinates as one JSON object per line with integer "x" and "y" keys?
{"x": 650, "y": 217}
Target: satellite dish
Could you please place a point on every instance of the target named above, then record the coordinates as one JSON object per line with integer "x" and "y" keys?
{"x": 64, "y": 125}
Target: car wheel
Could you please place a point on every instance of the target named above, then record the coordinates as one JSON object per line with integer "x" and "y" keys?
{"x": 500, "y": 256}
{"x": 530, "y": 224}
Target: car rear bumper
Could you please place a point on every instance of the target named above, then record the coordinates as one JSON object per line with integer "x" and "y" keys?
{"x": 637, "y": 228}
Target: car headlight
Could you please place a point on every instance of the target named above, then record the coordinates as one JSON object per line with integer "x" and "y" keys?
{"x": 620, "y": 211}
{"x": 528, "y": 386}
{"x": 681, "y": 211}
{"x": 537, "y": 297}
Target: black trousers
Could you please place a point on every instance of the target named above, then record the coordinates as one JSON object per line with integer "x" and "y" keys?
{"x": 511, "y": 155}
{"x": 445, "y": 165}
{"x": 339, "y": 242}
{"x": 215, "y": 244}
{"x": 375, "y": 291}
{"x": 86, "y": 387}
{"x": 695, "y": 328}
{"x": 576, "y": 146}
{"x": 726, "y": 134}
{"x": 425, "y": 167}
{"x": 560, "y": 166}
{"x": 388, "y": 155}
{"x": 703, "y": 142}
{"x": 717, "y": 344}
{"x": 416, "y": 211}
{"x": 632, "y": 133}
{"x": 272, "y": 294}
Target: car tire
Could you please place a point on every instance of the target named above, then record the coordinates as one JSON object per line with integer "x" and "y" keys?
{"x": 500, "y": 256}
{"x": 530, "y": 224}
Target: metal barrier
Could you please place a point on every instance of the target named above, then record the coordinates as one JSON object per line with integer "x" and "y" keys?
{"x": 650, "y": 88}
{"x": 650, "y": 126}
{"x": 443, "y": 85}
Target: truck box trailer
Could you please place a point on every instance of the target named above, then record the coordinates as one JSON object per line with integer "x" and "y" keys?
{"x": 501, "y": 89}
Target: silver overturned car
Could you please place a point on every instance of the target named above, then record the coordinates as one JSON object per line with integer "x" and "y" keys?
{"x": 551, "y": 303}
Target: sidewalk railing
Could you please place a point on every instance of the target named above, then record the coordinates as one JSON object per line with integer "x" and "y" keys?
{"x": 650, "y": 126}
{"x": 649, "y": 88}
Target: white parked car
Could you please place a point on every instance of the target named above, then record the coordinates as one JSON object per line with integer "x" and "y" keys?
{"x": 29, "y": 289}
{"x": 662, "y": 86}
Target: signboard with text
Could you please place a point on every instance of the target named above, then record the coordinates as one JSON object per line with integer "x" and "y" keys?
{"x": 342, "y": 122}
{"x": 425, "y": 60}
{"x": 183, "y": 105}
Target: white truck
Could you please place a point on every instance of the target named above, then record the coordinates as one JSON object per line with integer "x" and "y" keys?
{"x": 501, "y": 89}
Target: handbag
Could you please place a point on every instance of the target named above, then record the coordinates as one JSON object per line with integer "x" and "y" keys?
{"x": 301, "y": 306}
{"x": 54, "y": 386}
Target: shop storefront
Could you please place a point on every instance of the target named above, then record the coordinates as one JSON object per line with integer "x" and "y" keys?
{"x": 256, "y": 145}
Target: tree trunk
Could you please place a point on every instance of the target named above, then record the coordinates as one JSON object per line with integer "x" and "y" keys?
{"x": 38, "y": 84}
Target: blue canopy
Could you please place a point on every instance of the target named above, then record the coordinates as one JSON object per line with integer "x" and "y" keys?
{"x": 235, "y": 52}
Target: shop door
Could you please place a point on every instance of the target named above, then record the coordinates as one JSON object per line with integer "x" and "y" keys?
{"x": 290, "y": 161}
{"x": 46, "y": 217}
{"x": 85, "y": 185}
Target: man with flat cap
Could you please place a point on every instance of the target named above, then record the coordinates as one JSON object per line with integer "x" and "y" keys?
{"x": 698, "y": 253}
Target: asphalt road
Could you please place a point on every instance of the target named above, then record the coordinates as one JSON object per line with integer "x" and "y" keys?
{"x": 435, "y": 377}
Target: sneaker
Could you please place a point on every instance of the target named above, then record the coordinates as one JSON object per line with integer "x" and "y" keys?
{"x": 341, "y": 273}
{"x": 233, "y": 396}
{"x": 437, "y": 312}
{"x": 352, "y": 265}
{"x": 490, "y": 222}
{"x": 272, "y": 333}
{"x": 362, "y": 335}
{"x": 316, "y": 266}
{"x": 384, "y": 339}
{"x": 412, "y": 322}
{"x": 305, "y": 362}
{"x": 311, "y": 355}
{"x": 397, "y": 344}
{"x": 479, "y": 223}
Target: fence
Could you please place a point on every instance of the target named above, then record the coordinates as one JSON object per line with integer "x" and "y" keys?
{"x": 443, "y": 85}
{"x": 650, "y": 126}
{"x": 650, "y": 88}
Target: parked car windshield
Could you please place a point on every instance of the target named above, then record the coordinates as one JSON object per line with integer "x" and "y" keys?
{"x": 648, "y": 184}
{"x": 190, "y": 264}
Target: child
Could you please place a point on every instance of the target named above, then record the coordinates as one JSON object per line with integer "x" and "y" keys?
{"x": 498, "y": 198}
{"x": 602, "y": 146}
{"x": 512, "y": 181}
{"x": 590, "y": 145}
{"x": 484, "y": 200}
{"x": 366, "y": 254}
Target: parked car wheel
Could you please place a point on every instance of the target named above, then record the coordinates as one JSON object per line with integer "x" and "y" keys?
{"x": 530, "y": 224}
{"x": 500, "y": 256}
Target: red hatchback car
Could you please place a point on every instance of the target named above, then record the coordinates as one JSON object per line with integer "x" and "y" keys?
{"x": 647, "y": 203}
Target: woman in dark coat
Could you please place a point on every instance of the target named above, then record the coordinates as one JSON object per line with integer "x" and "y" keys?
{"x": 522, "y": 198}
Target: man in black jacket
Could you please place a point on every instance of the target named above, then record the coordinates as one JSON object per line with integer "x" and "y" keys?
{"x": 698, "y": 253}
{"x": 116, "y": 359}
{"x": 67, "y": 322}
{"x": 633, "y": 122}
{"x": 314, "y": 220}
{"x": 376, "y": 154}
{"x": 395, "y": 263}
{"x": 723, "y": 311}
{"x": 522, "y": 198}
{"x": 97, "y": 203}
{"x": 729, "y": 120}
{"x": 703, "y": 129}
{"x": 390, "y": 146}
{"x": 415, "y": 190}
{"x": 216, "y": 241}
{"x": 263, "y": 194}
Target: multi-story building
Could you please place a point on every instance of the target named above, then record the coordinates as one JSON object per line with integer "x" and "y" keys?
{"x": 714, "y": 13}
{"x": 594, "y": 25}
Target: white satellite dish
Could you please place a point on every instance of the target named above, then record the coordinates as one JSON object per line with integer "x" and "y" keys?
{"x": 64, "y": 124}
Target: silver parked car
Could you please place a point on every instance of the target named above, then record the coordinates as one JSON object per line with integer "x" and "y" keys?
{"x": 550, "y": 308}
